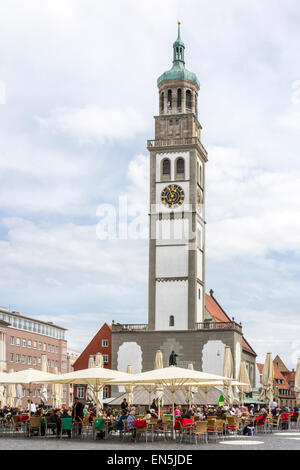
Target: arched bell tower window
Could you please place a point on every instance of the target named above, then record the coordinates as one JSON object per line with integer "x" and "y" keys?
{"x": 171, "y": 320}
{"x": 165, "y": 169}
{"x": 169, "y": 99}
{"x": 189, "y": 99}
{"x": 179, "y": 99}
{"x": 166, "y": 166}
{"x": 162, "y": 102}
{"x": 180, "y": 168}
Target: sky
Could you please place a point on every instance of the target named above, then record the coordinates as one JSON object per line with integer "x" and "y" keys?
{"x": 77, "y": 98}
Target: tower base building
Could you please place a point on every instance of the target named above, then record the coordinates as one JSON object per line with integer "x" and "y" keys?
{"x": 181, "y": 317}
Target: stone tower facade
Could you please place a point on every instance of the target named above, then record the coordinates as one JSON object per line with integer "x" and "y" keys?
{"x": 177, "y": 203}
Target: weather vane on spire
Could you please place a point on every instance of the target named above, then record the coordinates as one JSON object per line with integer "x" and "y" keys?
{"x": 179, "y": 23}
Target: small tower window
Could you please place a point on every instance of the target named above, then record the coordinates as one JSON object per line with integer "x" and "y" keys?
{"x": 171, "y": 320}
{"x": 169, "y": 99}
{"x": 179, "y": 99}
{"x": 162, "y": 102}
{"x": 180, "y": 166}
{"x": 166, "y": 166}
{"x": 189, "y": 99}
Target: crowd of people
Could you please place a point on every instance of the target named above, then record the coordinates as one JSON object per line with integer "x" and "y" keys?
{"x": 53, "y": 416}
{"x": 115, "y": 419}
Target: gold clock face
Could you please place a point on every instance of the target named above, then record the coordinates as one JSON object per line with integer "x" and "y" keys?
{"x": 172, "y": 196}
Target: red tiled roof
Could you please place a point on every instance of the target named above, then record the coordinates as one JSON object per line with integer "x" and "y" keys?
{"x": 215, "y": 310}
{"x": 218, "y": 315}
{"x": 277, "y": 375}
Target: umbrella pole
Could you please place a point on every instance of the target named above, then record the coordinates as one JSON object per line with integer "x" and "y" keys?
{"x": 174, "y": 437}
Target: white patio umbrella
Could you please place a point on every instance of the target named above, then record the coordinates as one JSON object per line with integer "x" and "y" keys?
{"x": 19, "y": 395}
{"x": 57, "y": 392}
{"x": 174, "y": 378}
{"x": 99, "y": 362}
{"x": 11, "y": 392}
{"x": 159, "y": 390}
{"x": 190, "y": 390}
{"x": 243, "y": 377}
{"x": 129, "y": 388}
{"x": 44, "y": 368}
{"x": 98, "y": 377}
{"x": 28, "y": 378}
{"x": 267, "y": 381}
{"x": 2, "y": 390}
{"x": 90, "y": 391}
{"x": 228, "y": 372}
{"x": 297, "y": 383}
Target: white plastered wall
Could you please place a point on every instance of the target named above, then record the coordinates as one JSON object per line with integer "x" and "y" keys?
{"x": 171, "y": 299}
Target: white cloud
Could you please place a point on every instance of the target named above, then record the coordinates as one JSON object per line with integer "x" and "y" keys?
{"x": 251, "y": 211}
{"x": 291, "y": 121}
{"x": 93, "y": 123}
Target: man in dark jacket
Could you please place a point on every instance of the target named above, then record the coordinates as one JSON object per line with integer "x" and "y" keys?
{"x": 77, "y": 413}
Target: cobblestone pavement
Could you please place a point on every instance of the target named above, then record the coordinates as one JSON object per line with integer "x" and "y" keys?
{"x": 280, "y": 440}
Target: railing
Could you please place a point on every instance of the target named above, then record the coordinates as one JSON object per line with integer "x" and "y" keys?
{"x": 129, "y": 327}
{"x": 210, "y": 325}
{"x": 175, "y": 142}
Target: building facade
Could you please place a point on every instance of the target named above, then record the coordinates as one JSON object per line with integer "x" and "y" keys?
{"x": 26, "y": 340}
{"x": 177, "y": 202}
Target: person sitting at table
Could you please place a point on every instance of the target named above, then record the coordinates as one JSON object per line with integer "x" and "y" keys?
{"x": 294, "y": 417}
{"x": 211, "y": 412}
{"x": 153, "y": 414}
{"x": 187, "y": 414}
{"x": 63, "y": 415}
{"x": 54, "y": 422}
{"x": 130, "y": 425}
{"x": 238, "y": 411}
{"x": 119, "y": 422}
{"x": 148, "y": 416}
{"x": 177, "y": 410}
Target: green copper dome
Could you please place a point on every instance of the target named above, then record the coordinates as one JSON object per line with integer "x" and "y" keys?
{"x": 178, "y": 71}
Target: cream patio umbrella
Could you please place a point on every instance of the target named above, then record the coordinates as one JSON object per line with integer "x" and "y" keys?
{"x": 98, "y": 377}
{"x": 19, "y": 394}
{"x": 190, "y": 390}
{"x": 129, "y": 388}
{"x": 11, "y": 392}
{"x": 44, "y": 389}
{"x": 99, "y": 362}
{"x": 244, "y": 378}
{"x": 173, "y": 378}
{"x": 2, "y": 390}
{"x": 89, "y": 391}
{"x": 297, "y": 383}
{"x": 28, "y": 378}
{"x": 57, "y": 392}
{"x": 159, "y": 391}
{"x": 228, "y": 372}
{"x": 267, "y": 381}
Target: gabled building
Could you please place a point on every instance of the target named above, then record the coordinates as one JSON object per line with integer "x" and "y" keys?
{"x": 100, "y": 343}
{"x": 284, "y": 381}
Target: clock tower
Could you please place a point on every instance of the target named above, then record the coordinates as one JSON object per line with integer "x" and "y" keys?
{"x": 177, "y": 202}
